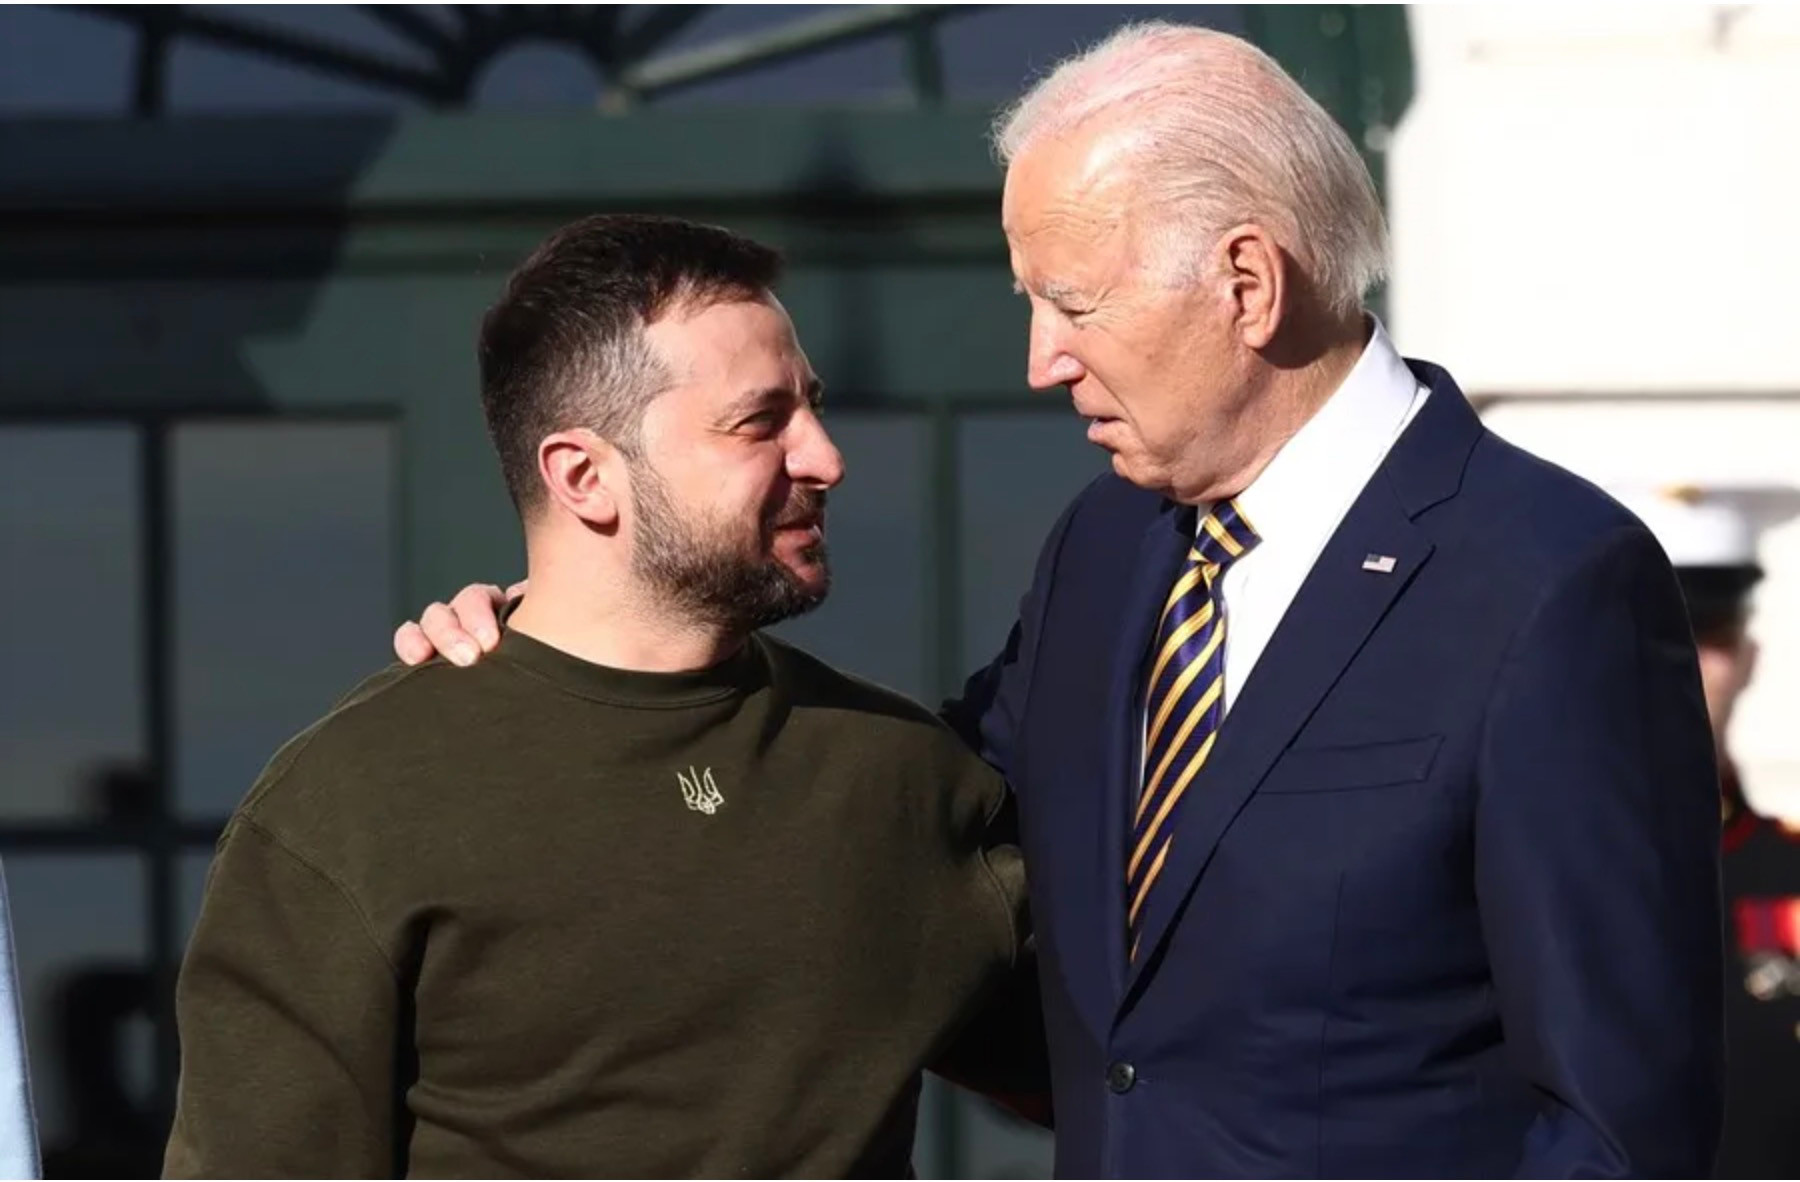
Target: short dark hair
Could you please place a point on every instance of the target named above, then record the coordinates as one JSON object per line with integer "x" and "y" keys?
{"x": 564, "y": 346}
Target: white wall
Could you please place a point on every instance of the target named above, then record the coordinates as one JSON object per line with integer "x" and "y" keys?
{"x": 1602, "y": 198}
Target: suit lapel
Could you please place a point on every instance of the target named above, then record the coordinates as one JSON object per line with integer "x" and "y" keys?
{"x": 1331, "y": 617}
{"x": 1164, "y": 546}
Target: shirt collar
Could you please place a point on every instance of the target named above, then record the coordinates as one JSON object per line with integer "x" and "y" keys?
{"x": 1330, "y": 458}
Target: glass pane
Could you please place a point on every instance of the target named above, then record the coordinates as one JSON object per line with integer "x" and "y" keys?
{"x": 1019, "y": 471}
{"x": 537, "y": 76}
{"x": 71, "y": 700}
{"x": 860, "y": 70}
{"x": 78, "y": 924}
{"x": 338, "y": 24}
{"x": 204, "y": 78}
{"x": 873, "y": 624}
{"x": 190, "y": 889}
{"x": 997, "y": 1144}
{"x": 57, "y": 62}
{"x": 930, "y": 1145}
{"x": 284, "y": 540}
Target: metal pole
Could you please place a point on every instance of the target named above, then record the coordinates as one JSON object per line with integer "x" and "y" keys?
{"x": 158, "y": 624}
{"x": 152, "y": 66}
{"x": 924, "y": 62}
{"x": 796, "y": 39}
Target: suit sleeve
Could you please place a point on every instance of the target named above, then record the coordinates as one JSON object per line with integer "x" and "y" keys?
{"x": 992, "y": 705}
{"x": 288, "y": 1013}
{"x": 1597, "y": 873}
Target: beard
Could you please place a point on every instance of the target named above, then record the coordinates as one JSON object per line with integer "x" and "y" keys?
{"x": 722, "y": 573}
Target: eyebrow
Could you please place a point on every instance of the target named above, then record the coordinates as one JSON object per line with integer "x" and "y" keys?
{"x": 754, "y": 400}
{"x": 1052, "y": 291}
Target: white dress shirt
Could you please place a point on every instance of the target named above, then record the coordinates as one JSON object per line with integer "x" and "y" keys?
{"x": 1300, "y": 499}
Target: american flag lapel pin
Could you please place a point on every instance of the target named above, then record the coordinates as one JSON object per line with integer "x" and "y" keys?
{"x": 1381, "y": 564}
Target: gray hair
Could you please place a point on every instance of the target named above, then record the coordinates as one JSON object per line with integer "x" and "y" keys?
{"x": 1226, "y": 137}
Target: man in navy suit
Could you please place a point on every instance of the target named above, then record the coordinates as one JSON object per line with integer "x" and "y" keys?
{"x": 1366, "y": 785}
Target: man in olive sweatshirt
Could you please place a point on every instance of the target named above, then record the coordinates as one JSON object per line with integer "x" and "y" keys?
{"x": 648, "y": 893}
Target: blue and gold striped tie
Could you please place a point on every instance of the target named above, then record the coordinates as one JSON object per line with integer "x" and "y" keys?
{"x": 1184, "y": 700}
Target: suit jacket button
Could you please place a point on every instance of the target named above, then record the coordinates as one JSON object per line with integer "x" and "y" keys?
{"x": 1120, "y": 1076}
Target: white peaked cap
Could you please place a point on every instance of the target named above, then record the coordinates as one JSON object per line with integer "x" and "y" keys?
{"x": 1693, "y": 527}
{"x": 1709, "y": 527}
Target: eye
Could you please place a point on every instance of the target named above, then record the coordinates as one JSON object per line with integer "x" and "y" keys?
{"x": 762, "y": 422}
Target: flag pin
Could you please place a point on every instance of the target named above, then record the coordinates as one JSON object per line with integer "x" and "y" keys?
{"x": 1379, "y": 563}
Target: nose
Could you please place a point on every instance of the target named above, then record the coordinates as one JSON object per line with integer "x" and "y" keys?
{"x": 1048, "y": 362}
{"x": 812, "y": 458}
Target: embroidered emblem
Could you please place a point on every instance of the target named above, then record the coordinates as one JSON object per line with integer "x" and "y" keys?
{"x": 1381, "y": 564}
{"x": 698, "y": 789}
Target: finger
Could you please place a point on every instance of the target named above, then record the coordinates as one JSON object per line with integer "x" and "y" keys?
{"x": 475, "y": 611}
{"x": 517, "y": 590}
{"x": 445, "y": 632}
{"x": 411, "y": 646}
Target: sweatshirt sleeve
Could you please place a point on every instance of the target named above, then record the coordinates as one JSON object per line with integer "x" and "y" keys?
{"x": 1001, "y": 1050}
{"x": 289, "y": 1018}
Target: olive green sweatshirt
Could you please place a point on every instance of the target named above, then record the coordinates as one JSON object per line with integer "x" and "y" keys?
{"x": 542, "y": 918}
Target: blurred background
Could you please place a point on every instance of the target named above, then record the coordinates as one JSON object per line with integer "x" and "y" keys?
{"x": 243, "y": 252}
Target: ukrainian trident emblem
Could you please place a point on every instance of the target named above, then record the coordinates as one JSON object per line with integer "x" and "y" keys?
{"x": 699, "y": 791}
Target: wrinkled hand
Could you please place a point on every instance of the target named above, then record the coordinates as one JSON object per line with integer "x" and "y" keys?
{"x": 461, "y": 630}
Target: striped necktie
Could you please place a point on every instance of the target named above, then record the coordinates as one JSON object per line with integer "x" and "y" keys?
{"x": 1184, "y": 701}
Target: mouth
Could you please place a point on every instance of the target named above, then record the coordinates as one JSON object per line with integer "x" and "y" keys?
{"x": 805, "y": 525}
{"x": 803, "y": 515}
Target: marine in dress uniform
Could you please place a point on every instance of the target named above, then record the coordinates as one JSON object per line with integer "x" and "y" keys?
{"x": 1711, "y": 541}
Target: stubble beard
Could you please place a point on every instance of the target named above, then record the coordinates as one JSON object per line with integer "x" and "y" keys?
{"x": 710, "y": 572}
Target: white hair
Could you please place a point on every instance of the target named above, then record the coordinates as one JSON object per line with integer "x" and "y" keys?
{"x": 1225, "y": 137}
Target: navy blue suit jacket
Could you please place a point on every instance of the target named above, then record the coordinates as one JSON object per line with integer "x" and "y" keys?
{"x": 1445, "y": 898}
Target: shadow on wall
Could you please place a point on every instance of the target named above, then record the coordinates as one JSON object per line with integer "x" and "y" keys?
{"x": 137, "y": 261}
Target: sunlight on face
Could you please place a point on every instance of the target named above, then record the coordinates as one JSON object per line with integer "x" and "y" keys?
{"x": 1148, "y": 364}
{"x": 729, "y": 493}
